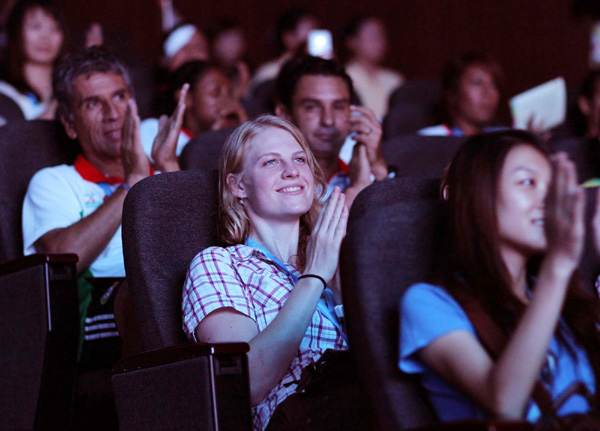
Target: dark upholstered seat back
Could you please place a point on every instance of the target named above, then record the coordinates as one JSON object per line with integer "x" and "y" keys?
{"x": 9, "y": 110}
{"x": 167, "y": 220}
{"x": 204, "y": 150}
{"x": 585, "y": 152}
{"x": 385, "y": 251}
{"x": 421, "y": 156}
{"x": 262, "y": 100}
{"x": 589, "y": 267}
{"x": 393, "y": 191}
{"x": 407, "y": 119}
{"x": 26, "y": 147}
{"x": 416, "y": 92}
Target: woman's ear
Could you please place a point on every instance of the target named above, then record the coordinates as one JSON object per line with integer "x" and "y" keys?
{"x": 236, "y": 185}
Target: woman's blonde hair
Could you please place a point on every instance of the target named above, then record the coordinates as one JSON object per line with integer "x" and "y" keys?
{"x": 234, "y": 225}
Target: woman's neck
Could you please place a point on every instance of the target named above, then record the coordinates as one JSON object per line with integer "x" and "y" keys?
{"x": 467, "y": 127}
{"x": 516, "y": 264}
{"x": 39, "y": 77}
{"x": 367, "y": 65}
{"x": 280, "y": 239}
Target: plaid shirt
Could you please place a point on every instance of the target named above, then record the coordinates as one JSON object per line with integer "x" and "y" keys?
{"x": 244, "y": 279}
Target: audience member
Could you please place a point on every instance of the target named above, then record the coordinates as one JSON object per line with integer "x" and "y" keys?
{"x": 589, "y": 105}
{"x": 314, "y": 94}
{"x": 77, "y": 209}
{"x": 517, "y": 235}
{"x": 35, "y": 42}
{"x": 229, "y": 48}
{"x": 169, "y": 17}
{"x": 470, "y": 96}
{"x": 366, "y": 40}
{"x": 292, "y": 31}
{"x": 209, "y": 104}
{"x": 269, "y": 287}
{"x": 184, "y": 43}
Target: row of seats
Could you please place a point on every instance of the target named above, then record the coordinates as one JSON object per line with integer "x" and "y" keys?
{"x": 390, "y": 244}
{"x": 394, "y": 238}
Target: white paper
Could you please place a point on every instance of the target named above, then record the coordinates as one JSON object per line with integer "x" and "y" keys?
{"x": 546, "y": 104}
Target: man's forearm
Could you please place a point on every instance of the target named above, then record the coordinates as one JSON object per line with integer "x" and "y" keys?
{"x": 90, "y": 235}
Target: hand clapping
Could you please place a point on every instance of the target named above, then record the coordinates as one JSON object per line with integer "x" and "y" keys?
{"x": 323, "y": 249}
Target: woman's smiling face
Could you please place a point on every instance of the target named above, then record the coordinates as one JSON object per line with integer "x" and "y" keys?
{"x": 276, "y": 184}
{"x": 521, "y": 192}
{"x": 42, "y": 37}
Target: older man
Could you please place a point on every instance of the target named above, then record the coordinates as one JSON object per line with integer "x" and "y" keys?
{"x": 78, "y": 208}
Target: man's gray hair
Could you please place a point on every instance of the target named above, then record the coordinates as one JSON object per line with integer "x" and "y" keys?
{"x": 96, "y": 59}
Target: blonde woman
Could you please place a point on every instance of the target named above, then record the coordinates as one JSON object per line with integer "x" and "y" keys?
{"x": 268, "y": 288}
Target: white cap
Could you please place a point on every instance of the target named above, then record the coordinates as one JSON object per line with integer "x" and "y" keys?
{"x": 178, "y": 39}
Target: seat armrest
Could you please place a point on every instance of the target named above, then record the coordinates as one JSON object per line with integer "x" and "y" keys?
{"x": 478, "y": 425}
{"x": 182, "y": 352}
{"x": 191, "y": 387}
{"x": 40, "y": 336}
{"x": 32, "y": 260}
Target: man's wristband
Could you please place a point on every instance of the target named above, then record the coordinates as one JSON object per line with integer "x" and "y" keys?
{"x": 125, "y": 186}
{"x": 314, "y": 276}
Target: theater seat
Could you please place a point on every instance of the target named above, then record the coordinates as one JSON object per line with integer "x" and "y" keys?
{"x": 585, "y": 152}
{"x": 204, "y": 150}
{"x": 421, "y": 156}
{"x": 38, "y": 294}
{"x": 9, "y": 110}
{"x": 393, "y": 191}
{"x": 167, "y": 220}
{"x": 388, "y": 248}
{"x": 416, "y": 92}
{"x": 407, "y": 119}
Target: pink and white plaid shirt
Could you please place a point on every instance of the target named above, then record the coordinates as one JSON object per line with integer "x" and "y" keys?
{"x": 244, "y": 279}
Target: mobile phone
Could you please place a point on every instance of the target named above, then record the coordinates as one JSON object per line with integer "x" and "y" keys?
{"x": 320, "y": 44}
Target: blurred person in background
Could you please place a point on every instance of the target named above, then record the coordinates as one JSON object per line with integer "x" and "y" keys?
{"x": 184, "y": 43}
{"x": 366, "y": 40}
{"x": 292, "y": 32}
{"x": 35, "y": 42}
{"x": 229, "y": 48}
{"x": 209, "y": 104}
{"x": 470, "y": 96}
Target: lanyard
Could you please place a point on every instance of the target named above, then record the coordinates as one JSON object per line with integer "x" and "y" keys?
{"x": 326, "y": 302}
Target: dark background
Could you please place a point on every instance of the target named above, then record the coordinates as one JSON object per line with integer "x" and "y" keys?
{"x": 534, "y": 40}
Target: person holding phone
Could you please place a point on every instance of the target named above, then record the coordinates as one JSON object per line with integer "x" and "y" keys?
{"x": 315, "y": 94}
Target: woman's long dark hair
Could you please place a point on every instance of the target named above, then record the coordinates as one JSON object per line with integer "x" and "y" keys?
{"x": 476, "y": 267}
{"x": 15, "y": 52}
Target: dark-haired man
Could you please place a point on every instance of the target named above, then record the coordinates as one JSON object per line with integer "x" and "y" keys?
{"x": 78, "y": 208}
{"x": 315, "y": 95}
